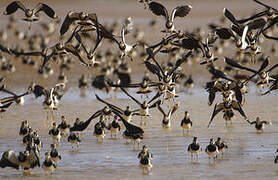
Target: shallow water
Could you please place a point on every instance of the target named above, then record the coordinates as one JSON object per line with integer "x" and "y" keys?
{"x": 249, "y": 154}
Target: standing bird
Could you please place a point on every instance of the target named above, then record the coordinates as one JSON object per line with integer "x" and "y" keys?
{"x": 54, "y": 154}
{"x": 114, "y": 127}
{"x": 275, "y": 160}
{"x": 74, "y": 139}
{"x": 48, "y": 164}
{"x": 64, "y": 126}
{"x": 212, "y": 149}
{"x": 259, "y": 125}
{"x": 194, "y": 148}
{"x": 159, "y": 10}
{"x": 186, "y": 122}
{"x": 166, "y": 122}
{"x": 145, "y": 159}
{"x": 55, "y": 133}
{"x": 99, "y": 131}
{"x": 221, "y": 145}
{"x": 31, "y": 15}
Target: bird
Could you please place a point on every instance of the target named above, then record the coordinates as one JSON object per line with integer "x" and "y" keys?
{"x": 9, "y": 159}
{"x": 31, "y": 15}
{"x": 145, "y": 159}
{"x": 74, "y": 139}
{"x": 227, "y": 108}
{"x": 114, "y": 127}
{"x": 82, "y": 18}
{"x": 99, "y": 131}
{"x": 144, "y": 107}
{"x": 212, "y": 149}
{"x": 24, "y": 129}
{"x": 221, "y": 145}
{"x": 48, "y": 164}
{"x": 132, "y": 132}
{"x": 55, "y": 133}
{"x": 259, "y": 125}
{"x": 194, "y": 148}
{"x": 159, "y": 10}
{"x": 64, "y": 126}
{"x": 276, "y": 158}
{"x": 127, "y": 113}
{"x": 54, "y": 154}
{"x": 186, "y": 122}
{"x": 166, "y": 121}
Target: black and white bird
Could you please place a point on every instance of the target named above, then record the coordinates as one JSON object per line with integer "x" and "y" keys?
{"x": 166, "y": 121}
{"x": 186, "y": 122}
{"x": 54, "y": 154}
{"x": 259, "y": 125}
{"x": 221, "y": 145}
{"x": 276, "y": 158}
{"x": 159, "y": 10}
{"x": 55, "y": 133}
{"x": 145, "y": 159}
{"x": 64, "y": 127}
{"x": 212, "y": 149}
{"x": 49, "y": 165}
{"x": 114, "y": 127}
{"x": 99, "y": 130}
{"x": 74, "y": 139}
{"x": 194, "y": 148}
{"x": 31, "y": 15}
{"x": 132, "y": 132}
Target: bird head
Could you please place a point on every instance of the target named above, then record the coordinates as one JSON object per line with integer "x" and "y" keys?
{"x": 29, "y": 12}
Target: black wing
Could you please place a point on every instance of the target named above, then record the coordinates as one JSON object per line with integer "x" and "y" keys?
{"x": 131, "y": 96}
{"x": 158, "y": 9}
{"x": 130, "y": 127}
{"x": 180, "y": 61}
{"x": 9, "y": 159}
{"x": 46, "y": 9}
{"x": 236, "y": 65}
{"x": 12, "y": 7}
{"x": 230, "y": 16}
{"x": 115, "y": 108}
{"x": 181, "y": 11}
{"x": 217, "y": 108}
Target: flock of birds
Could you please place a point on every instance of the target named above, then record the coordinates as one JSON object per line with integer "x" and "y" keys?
{"x": 246, "y": 35}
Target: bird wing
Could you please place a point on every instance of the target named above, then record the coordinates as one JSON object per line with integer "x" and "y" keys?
{"x": 59, "y": 90}
{"x": 224, "y": 33}
{"x": 272, "y": 67}
{"x": 161, "y": 110}
{"x": 12, "y": 7}
{"x": 180, "y": 11}
{"x": 5, "y": 106}
{"x": 265, "y": 5}
{"x": 115, "y": 108}
{"x": 260, "y": 14}
{"x": 230, "y": 16}
{"x": 153, "y": 68}
{"x": 130, "y": 127}
{"x": 158, "y": 9}
{"x": 173, "y": 110}
{"x": 236, "y": 65}
{"x": 263, "y": 66}
{"x": 179, "y": 62}
{"x": 217, "y": 108}
{"x": 46, "y": 9}
{"x": 46, "y": 59}
{"x": 70, "y": 48}
{"x": 131, "y": 96}
{"x": 256, "y": 24}
{"x": 70, "y": 18}
{"x": 9, "y": 159}
{"x": 236, "y": 106}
